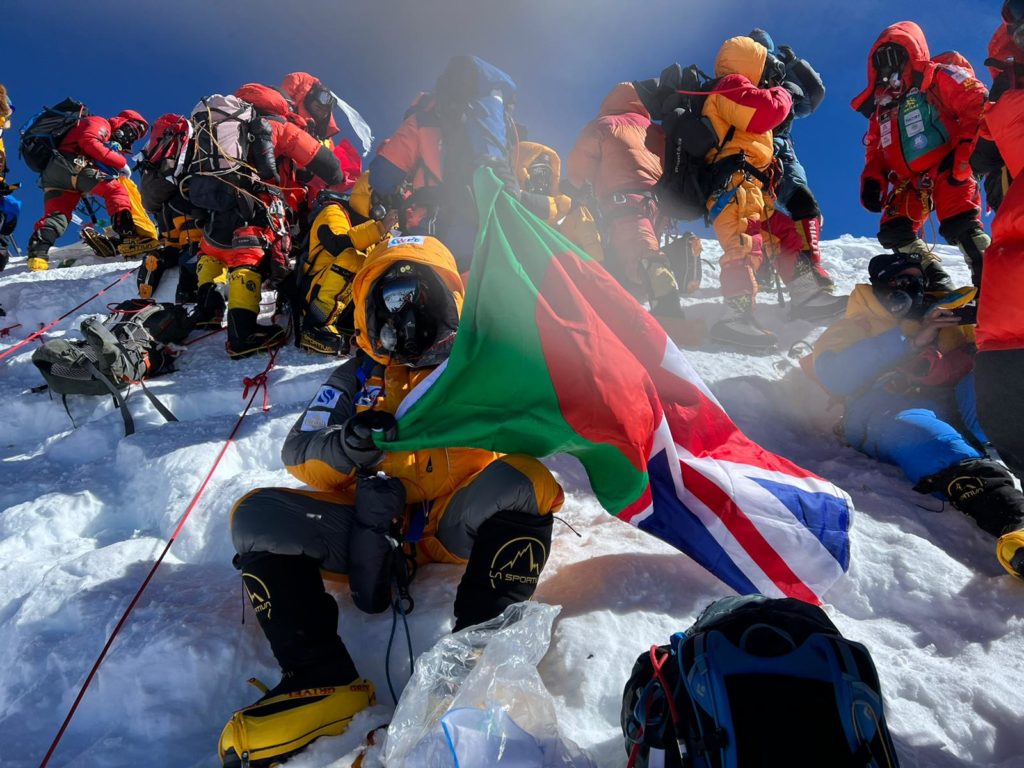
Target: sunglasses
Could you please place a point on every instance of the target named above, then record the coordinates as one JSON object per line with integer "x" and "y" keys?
{"x": 399, "y": 293}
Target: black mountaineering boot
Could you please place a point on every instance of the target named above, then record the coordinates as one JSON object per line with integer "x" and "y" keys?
{"x": 320, "y": 691}
{"x": 246, "y": 337}
{"x": 504, "y": 566}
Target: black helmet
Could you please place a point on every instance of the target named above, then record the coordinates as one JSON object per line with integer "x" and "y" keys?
{"x": 327, "y": 195}
{"x": 539, "y": 175}
{"x": 411, "y": 315}
{"x": 898, "y": 282}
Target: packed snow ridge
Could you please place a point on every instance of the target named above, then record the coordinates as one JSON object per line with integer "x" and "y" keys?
{"x": 84, "y": 512}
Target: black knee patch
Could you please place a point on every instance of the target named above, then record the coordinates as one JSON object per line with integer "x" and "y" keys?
{"x": 896, "y": 232}
{"x": 509, "y": 553}
{"x": 802, "y": 205}
{"x": 956, "y": 228}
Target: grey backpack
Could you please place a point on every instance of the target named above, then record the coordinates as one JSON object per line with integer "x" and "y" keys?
{"x": 129, "y": 347}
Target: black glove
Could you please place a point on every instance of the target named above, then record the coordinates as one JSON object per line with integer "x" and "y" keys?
{"x": 871, "y": 194}
{"x": 357, "y": 436}
{"x": 785, "y": 53}
{"x": 774, "y": 72}
{"x": 507, "y": 177}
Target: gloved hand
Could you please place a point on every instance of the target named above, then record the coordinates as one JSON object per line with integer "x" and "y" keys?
{"x": 125, "y": 171}
{"x": 357, "y": 436}
{"x": 785, "y": 53}
{"x": 508, "y": 178}
{"x": 871, "y": 194}
{"x": 774, "y": 72}
{"x": 962, "y": 170}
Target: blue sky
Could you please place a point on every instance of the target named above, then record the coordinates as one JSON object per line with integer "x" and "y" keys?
{"x": 565, "y": 55}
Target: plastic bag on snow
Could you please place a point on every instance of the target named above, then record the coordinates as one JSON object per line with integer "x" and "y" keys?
{"x": 476, "y": 699}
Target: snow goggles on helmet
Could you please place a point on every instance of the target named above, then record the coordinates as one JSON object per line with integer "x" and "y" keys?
{"x": 396, "y": 294}
{"x": 128, "y": 134}
{"x": 889, "y": 61}
{"x": 322, "y": 96}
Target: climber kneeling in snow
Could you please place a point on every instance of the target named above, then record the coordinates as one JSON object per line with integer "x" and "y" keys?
{"x": 904, "y": 367}
{"x": 372, "y": 509}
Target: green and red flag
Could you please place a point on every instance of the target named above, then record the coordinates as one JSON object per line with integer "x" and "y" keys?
{"x": 554, "y": 356}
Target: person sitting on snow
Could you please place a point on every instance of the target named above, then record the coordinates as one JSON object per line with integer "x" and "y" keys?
{"x": 490, "y": 512}
{"x": 904, "y": 369}
{"x": 924, "y": 119}
{"x": 344, "y": 227}
{"x": 538, "y": 175}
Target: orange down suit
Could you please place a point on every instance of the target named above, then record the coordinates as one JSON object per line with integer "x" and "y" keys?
{"x": 739, "y": 210}
{"x": 999, "y": 368}
{"x": 620, "y": 153}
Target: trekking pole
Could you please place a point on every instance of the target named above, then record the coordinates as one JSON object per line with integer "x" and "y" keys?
{"x": 12, "y": 241}
{"x": 89, "y": 210}
{"x": 47, "y": 327}
{"x": 260, "y": 381}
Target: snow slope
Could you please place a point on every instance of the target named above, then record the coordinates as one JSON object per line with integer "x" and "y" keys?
{"x": 85, "y": 512}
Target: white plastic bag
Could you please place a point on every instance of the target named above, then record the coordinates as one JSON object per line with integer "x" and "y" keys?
{"x": 476, "y": 699}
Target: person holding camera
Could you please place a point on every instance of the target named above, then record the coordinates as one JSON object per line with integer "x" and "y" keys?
{"x": 903, "y": 366}
{"x": 373, "y": 510}
{"x": 924, "y": 119}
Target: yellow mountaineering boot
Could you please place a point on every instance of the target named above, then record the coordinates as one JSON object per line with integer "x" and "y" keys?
{"x": 324, "y": 340}
{"x": 278, "y": 726}
{"x": 36, "y": 264}
{"x": 1010, "y": 551}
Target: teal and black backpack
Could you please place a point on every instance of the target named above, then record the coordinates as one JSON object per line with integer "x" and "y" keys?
{"x": 132, "y": 345}
{"x": 45, "y": 130}
{"x": 756, "y": 683}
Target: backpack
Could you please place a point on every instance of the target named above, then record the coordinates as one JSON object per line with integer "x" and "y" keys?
{"x": 758, "y": 683}
{"x": 221, "y": 143}
{"x": 684, "y": 187}
{"x": 46, "y": 130}
{"x": 482, "y": 94}
{"x": 473, "y": 99}
{"x": 683, "y": 254}
{"x": 164, "y": 160}
{"x": 116, "y": 354}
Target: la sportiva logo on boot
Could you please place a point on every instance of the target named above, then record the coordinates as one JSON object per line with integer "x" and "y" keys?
{"x": 518, "y": 562}
{"x": 258, "y": 594}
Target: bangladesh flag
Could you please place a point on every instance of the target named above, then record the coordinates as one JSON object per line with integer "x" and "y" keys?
{"x": 554, "y": 356}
